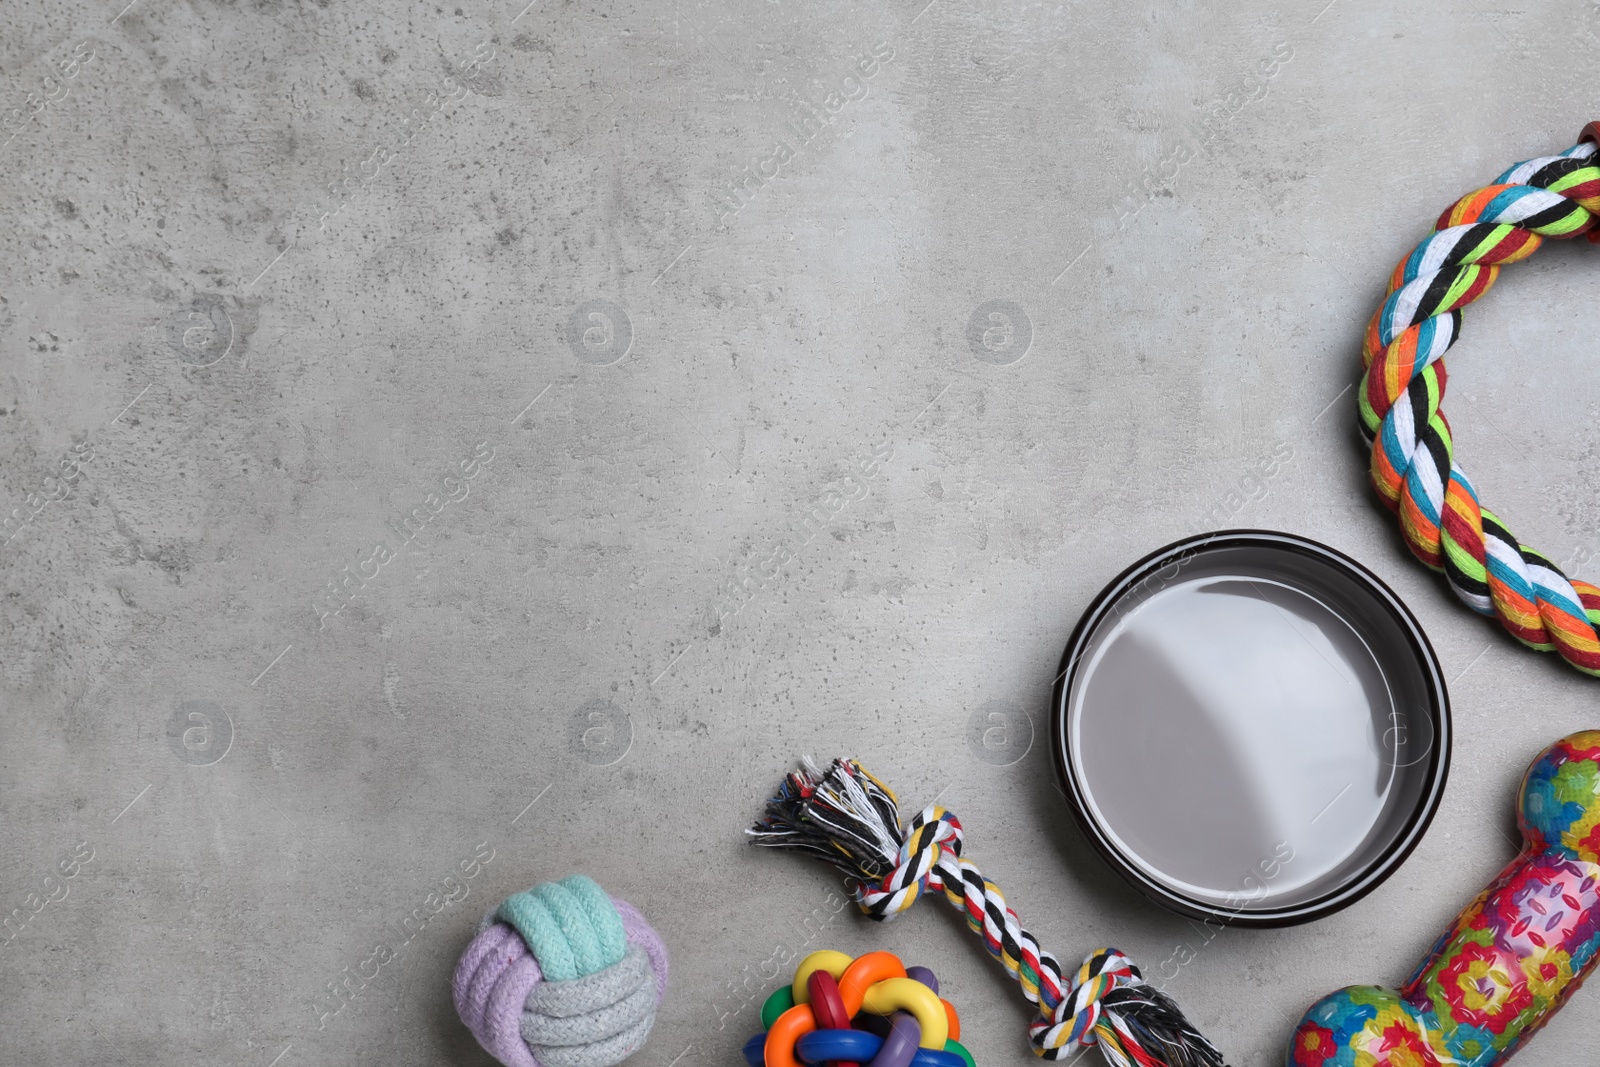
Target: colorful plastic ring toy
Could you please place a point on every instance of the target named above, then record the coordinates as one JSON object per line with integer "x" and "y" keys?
{"x": 906, "y": 994}
{"x": 835, "y": 963}
{"x": 826, "y": 1005}
{"x": 821, "y": 1046}
{"x": 782, "y": 1000}
{"x": 897, "y": 1014}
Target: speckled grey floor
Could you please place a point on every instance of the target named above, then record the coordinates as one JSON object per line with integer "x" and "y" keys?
{"x": 279, "y": 269}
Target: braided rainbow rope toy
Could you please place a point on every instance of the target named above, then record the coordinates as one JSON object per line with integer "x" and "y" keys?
{"x": 852, "y": 820}
{"x": 1403, "y": 385}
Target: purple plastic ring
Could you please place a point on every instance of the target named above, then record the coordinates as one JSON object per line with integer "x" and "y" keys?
{"x": 905, "y": 1034}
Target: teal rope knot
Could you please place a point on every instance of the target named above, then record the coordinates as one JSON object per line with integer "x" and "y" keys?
{"x": 571, "y": 926}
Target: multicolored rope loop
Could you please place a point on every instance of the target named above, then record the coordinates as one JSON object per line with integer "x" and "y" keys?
{"x": 1403, "y": 386}
{"x": 851, "y": 819}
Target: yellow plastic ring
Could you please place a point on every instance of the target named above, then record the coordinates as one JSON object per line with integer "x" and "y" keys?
{"x": 822, "y": 960}
{"x": 908, "y": 994}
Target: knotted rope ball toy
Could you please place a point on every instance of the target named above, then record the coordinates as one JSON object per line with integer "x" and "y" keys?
{"x": 1508, "y": 962}
{"x": 561, "y": 975}
{"x": 852, "y": 820}
{"x": 1403, "y": 385}
{"x": 810, "y": 1020}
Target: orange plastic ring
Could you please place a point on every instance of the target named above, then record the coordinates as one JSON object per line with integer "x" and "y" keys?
{"x": 790, "y": 1027}
{"x": 953, "y": 1018}
{"x": 866, "y": 971}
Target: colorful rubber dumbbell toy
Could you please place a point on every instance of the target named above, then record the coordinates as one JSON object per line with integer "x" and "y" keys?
{"x": 869, "y": 1010}
{"x": 1511, "y": 958}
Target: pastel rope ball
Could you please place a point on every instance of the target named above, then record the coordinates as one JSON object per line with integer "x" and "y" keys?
{"x": 1403, "y": 385}
{"x": 561, "y": 975}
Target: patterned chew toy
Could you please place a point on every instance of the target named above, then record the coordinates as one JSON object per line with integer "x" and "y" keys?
{"x": 1403, "y": 386}
{"x": 852, "y": 820}
{"x": 561, "y": 975}
{"x": 1508, "y": 962}
{"x": 871, "y": 1010}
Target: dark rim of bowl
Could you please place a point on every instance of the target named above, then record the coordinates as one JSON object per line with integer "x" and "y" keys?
{"x": 1382, "y": 865}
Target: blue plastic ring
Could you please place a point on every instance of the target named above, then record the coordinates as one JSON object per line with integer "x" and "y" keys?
{"x": 755, "y": 1050}
{"x": 821, "y": 1046}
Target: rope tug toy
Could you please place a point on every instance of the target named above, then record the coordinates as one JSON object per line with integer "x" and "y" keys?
{"x": 561, "y": 975}
{"x": 817, "y": 1018}
{"x": 1402, "y": 387}
{"x": 852, "y": 820}
{"x": 1508, "y": 962}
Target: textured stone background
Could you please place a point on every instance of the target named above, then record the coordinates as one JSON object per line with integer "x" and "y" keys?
{"x": 279, "y": 267}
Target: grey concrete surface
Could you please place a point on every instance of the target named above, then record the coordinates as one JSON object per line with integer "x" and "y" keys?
{"x": 280, "y": 269}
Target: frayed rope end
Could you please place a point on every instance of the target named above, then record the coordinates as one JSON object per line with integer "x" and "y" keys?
{"x": 845, "y": 816}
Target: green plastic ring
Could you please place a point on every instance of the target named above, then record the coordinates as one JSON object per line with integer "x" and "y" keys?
{"x": 782, "y": 1000}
